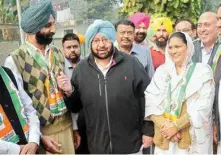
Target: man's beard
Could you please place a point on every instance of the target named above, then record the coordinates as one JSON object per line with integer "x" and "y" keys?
{"x": 76, "y": 59}
{"x": 140, "y": 39}
{"x": 44, "y": 39}
{"x": 161, "y": 44}
{"x": 109, "y": 54}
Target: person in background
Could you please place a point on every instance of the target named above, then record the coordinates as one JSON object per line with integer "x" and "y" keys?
{"x": 82, "y": 43}
{"x": 187, "y": 26}
{"x": 36, "y": 64}
{"x": 162, "y": 28}
{"x": 110, "y": 85}
{"x": 141, "y": 22}
{"x": 72, "y": 51}
{"x": 19, "y": 123}
{"x": 124, "y": 42}
{"x": 151, "y": 37}
{"x": 179, "y": 100}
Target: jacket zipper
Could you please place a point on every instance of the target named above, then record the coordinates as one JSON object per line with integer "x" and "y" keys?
{"x": 99, "y": 83}
{"x": 108, "y": 119}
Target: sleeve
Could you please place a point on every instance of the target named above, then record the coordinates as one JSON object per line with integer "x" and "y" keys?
{"x": 33, "y": 121}
{"x": 200, "y": 110}
{"x": 149, "y": 68}
{"x": 9, "y": 63}
{"x": 155, "y": 93}
{"x": 74, "y": 117}
{"x": 141, "y": 82}
{"x": 158, "y": 120}
{"x": 9, "y": 148}
{"x": 148, "y": 128}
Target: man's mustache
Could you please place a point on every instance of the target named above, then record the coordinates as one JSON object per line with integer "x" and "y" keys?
{"x": 141, "y": 33}
{"x": 161, "y": 38}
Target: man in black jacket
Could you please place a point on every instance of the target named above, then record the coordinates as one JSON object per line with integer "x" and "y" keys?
{"x": 110, "y": 87}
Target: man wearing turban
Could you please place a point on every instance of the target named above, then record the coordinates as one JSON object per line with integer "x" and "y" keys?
{"x": 110, "y": 86}
{"x": 141, "y": 22}
{"x": 37, "y": 64}
{"x": 162, "y": 28}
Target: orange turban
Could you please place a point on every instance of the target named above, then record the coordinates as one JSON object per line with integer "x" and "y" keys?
{"x": 81, "y": 38}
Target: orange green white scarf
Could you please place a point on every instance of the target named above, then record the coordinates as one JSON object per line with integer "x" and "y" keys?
{"x": 55, "y": 97}
{"x": 7, "y": 133}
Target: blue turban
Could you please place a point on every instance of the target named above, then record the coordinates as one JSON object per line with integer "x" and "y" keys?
{"x": 36, "y": 17}
{"x": 104, "y": 28}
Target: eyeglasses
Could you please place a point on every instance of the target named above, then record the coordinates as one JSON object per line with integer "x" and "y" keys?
{"x": 103, "y": 40}
{"x": 184, "y": 30}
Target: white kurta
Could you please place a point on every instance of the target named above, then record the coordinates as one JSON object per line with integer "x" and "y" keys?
{"x": 199, "y": 99}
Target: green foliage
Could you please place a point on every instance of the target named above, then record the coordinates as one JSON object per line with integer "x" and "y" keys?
{"x": 8, "y": 11}
{"x": 174, "y": 9}
{"x": 102, "y": 9}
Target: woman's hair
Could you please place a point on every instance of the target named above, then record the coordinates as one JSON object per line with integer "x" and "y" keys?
{"x": 178, "y": 35}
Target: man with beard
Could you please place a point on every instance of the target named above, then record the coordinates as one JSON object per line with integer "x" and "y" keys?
{"x": 110, "y": 85}
{"x": 72, "y": 52}
{"x": 141, "y": 22}
{"x": 37, "y": 64}
{"x": 207, "y": 51}
{"x": 125, "y": 43}
{"x": 162, "y": 28}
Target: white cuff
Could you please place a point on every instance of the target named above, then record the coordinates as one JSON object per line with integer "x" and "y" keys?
{"x": 74, "y": 117}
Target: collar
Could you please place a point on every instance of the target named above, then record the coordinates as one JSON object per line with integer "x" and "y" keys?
{"x": 117, "y": 57}
{"x": 35, "y": 49}
{"x": 107, "y": 66}
{"x": 68, "y": 63}
{"x": 144, "y": 43}
{"x": 134, "y": 49}
{"x": 211, "y": 49}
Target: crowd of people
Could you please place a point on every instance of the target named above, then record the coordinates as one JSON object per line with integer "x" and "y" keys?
{"x": 147, "y": 86}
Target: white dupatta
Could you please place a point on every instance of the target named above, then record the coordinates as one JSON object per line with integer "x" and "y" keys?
{"x": 199, "y": 92}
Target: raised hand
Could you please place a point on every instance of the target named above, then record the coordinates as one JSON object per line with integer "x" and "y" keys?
{"x": 64, "y": 82}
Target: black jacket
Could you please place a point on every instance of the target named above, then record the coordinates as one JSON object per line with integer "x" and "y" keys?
{"x": 113, "y": 105}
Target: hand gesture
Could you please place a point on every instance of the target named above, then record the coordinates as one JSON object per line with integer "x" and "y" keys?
{"x": 64, "y": 82}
